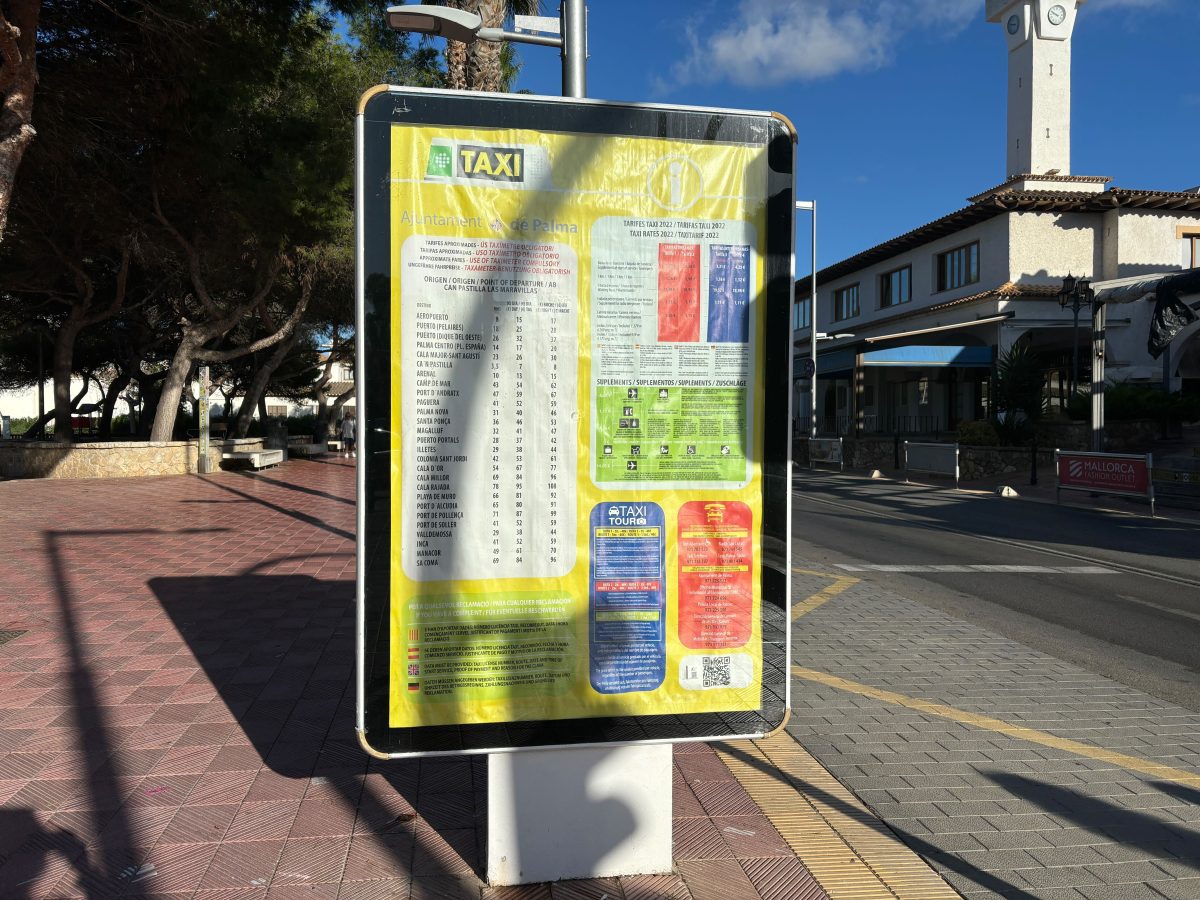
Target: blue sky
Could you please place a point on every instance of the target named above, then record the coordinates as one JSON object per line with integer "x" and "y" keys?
{"x": 900, "y": 104}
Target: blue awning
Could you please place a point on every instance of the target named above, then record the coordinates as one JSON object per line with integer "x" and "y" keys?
{"x": 919, "y": 356}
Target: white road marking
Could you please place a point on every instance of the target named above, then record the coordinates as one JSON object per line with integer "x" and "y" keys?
{"x": 1039, "y": 570}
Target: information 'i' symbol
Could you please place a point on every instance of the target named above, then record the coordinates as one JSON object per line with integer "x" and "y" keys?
{"x": 676, "y": 184}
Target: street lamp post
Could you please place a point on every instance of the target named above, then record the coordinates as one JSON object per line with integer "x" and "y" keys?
{"x": 811, "y": 206}
{"x": 1076, "y": 294}
{"x": 467, "y": 27}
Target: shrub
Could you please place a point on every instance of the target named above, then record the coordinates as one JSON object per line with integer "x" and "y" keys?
{"x": 978, "y": 433}
{"x": 1124, "y": 401}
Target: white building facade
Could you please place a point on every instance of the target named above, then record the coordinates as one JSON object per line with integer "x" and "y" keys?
{"x": 926, "y": 314}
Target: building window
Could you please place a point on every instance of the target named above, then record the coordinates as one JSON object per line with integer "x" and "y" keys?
{"x": 845, "y": 303}
{"x": 1193, "y": 247}
{"x": 958, "y": 267}
{"x": 276, "y": 411}
{"x": 895, "y": 287}
{"x": 800, "y": 314}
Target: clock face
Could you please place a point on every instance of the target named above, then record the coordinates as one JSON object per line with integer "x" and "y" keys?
{"x": 1056, "y": 14}
{"x": 1014, "y": 22}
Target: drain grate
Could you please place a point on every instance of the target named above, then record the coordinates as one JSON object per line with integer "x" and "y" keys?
{"x": 6, "y": 636}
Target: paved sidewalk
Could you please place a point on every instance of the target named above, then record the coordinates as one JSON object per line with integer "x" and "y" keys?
{"x": 1017, "y": 774}
{"x": 176, "y": 721}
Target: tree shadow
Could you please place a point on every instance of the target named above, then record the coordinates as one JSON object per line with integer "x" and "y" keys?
{"x": 30, "y": 849}
{"x": 279, "y": 649}
{"x": 1129, "y": 827}
{"x": 941, "y": 859}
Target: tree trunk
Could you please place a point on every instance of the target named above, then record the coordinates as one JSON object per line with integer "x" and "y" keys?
{"x": 172, "y": 388}
{"x": 483, "y": 68}
{"x": 18, "y": 78}
{"x": 63, "y": 363}
{"x": 110, "y": 404}
{"x": 257, "y": 389}
{"x": 336, "y": 411}
{"x": 456, "y": 55}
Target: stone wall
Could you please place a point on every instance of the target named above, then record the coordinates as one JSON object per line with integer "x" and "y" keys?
{"x": 983, "y": 462}
{"x": 117, "y": 459}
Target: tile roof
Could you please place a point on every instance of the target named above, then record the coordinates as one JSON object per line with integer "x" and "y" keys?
{"x": 994, "y": 204}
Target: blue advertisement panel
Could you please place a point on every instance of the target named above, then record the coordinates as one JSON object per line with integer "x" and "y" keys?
{"x": 627, "y": 601}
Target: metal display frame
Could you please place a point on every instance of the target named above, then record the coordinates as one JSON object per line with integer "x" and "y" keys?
{"x": 1147, "y": 458}
{"x": 380, "y": 109}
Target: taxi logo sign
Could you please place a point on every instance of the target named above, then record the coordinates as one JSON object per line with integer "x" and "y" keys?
{"x": 491, "y": 163}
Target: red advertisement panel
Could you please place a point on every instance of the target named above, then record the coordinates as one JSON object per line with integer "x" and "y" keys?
{"x": 715, "y": 589}
{"x": 1102, "y": 472}
{"x": 679, "y": 292}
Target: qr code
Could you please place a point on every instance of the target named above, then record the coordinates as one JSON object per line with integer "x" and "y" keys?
{"x": 716, "y": 671}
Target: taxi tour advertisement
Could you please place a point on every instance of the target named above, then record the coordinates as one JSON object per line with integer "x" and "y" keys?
{"x": 575, "y": 407}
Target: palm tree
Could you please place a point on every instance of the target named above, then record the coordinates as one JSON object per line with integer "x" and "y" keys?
{"x": 484, "y": 66}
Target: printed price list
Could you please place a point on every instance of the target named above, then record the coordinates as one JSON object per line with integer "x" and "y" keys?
{"x": 489, "y": 409}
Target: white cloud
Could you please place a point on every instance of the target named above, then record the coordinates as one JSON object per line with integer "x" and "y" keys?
{"x": 774, "y": 41}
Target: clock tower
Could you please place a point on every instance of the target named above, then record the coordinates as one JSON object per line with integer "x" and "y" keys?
{"x": 1039, "y": 82}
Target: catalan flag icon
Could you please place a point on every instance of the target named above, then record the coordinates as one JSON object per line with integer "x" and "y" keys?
{"x": 414, "y": 635}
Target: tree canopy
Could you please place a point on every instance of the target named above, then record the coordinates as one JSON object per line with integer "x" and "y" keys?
{"x": 188, "y": 195}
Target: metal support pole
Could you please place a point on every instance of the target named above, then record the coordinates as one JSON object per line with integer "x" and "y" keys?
{"x": 812, "y": 328}
{"x": 1075, "y": 353}
{"x": 203, "y": 463}
{"x": 573, "y": 18}
{"x": 41, "y": 385}
{"x": 1098, "y": 326}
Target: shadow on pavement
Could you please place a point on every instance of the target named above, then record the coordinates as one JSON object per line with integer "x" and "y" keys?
{"x": 941, "y": 859}
{"x": 1130, "y": 827}
{"x": 988, "y": 517}
{"x": 279, "y": 649}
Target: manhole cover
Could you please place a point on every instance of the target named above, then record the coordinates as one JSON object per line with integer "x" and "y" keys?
{"x": 6, "y": 636}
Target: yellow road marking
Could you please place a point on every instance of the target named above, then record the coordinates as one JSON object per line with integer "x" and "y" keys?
{"x": 848, "y": 850}
{"x": 823, "y": 596}
{"x": 1133, "y": 763}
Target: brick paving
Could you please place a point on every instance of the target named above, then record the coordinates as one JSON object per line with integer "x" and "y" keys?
{"x": 177, "y": 715}
{"x": 995, "y": 814}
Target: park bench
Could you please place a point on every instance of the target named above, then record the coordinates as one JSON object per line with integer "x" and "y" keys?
{"x": 257, "y": 458}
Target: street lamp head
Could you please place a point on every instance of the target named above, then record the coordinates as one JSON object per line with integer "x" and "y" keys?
{"x": 1067, "y": 292}
{"x": 440, "y": 21}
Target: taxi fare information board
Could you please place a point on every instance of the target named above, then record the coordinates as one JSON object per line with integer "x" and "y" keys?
{"x": 573, "y": 375}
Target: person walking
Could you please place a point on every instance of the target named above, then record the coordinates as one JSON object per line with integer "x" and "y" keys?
{"x": 348, "y": 436}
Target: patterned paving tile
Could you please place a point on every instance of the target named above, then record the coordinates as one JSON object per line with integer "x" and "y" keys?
{"x": 749, "y": 837}
{"x": 655, "y": 887}
{"x": 376, "y": 858}
{"x": 199, "y": 824}
{"x": 391, "y": 889}
{"x": 717, "y": 879}
{"x": 312, "y": 861}
{"x": 263, "y": 821}
{"x": 783, "y": 878}
{"x": 248, "y": 864}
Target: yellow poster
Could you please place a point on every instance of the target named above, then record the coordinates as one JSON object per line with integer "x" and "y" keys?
{"x": 577, "y": 425}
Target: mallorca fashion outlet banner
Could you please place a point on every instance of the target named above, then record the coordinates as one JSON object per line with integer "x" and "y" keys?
{"x": 575, "y": 432}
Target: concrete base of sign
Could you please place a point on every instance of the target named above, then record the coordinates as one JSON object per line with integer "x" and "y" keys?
{"x": 578, "y": 813}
